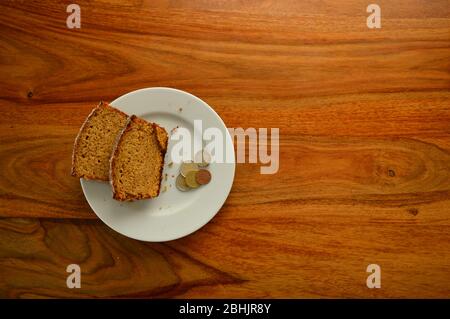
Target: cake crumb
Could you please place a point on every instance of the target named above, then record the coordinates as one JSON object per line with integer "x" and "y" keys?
{"x": 165, "y": 176}
{"x": 180, "y": 109}
{"x": 170, "y": 164}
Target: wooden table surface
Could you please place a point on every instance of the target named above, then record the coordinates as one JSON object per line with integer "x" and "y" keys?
{"x": 364, "y": 119}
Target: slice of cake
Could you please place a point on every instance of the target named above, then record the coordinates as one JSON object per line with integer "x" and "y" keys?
{"x": 95, "y": 142}
{"x": 137, "y": 161}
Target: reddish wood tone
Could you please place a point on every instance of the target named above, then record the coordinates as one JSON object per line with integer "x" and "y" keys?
{"x": 364, "y": 119}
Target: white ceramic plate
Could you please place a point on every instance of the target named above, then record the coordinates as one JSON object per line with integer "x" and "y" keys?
{"x": 173, "y": 214}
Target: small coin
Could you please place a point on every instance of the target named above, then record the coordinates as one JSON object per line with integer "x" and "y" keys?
{"x": 191, "y": 180}
{"x": 181, "y": 183}
{"x": 203, "y": 176}
{"x": 202, "y": 158}
{"x": 187, "y": 167}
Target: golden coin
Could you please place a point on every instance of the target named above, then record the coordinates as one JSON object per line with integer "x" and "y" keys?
{"x": 202, "y": 158}
{"x": 203, "y": 176}
{"x": 181, "y": 183}
{"x": 187, "y": 167}
{"x": 191, "y": 180}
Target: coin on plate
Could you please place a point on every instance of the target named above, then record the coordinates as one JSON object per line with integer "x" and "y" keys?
{"x": 202, "y": 158}
{"x": 203, "y": 176}
{"x": 181, "y": 183}
{"x": 191, "y": 180}
{"x": 187, "y": 167}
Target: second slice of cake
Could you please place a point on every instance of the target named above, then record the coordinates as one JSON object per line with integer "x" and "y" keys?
{"x": 137, "y": 160}
{"x": 95, "y": 142}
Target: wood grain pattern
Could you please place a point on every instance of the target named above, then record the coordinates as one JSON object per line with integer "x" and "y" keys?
{"x": 112, "y": 266}
{"x": 364, "y": 118}
{"x": 302, "y": 255}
